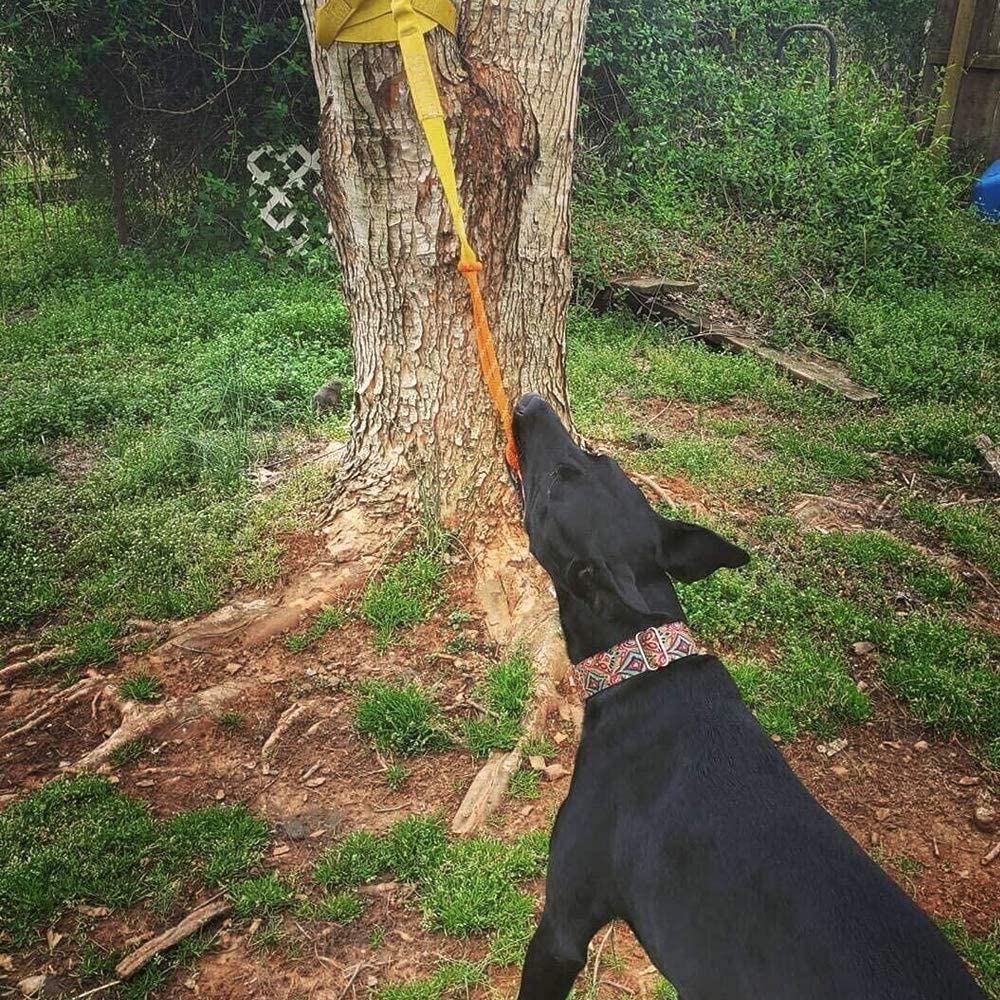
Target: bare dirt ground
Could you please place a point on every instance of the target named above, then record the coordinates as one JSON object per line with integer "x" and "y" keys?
{"x": 903, "y": 794}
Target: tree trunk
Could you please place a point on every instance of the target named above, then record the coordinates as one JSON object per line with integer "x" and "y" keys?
{"x": 423, "y": 424}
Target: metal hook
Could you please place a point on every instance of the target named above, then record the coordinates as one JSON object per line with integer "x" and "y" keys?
{"x": 831, "y": 42}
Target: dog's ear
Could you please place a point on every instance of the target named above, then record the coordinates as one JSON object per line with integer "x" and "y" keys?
{"x": 689, "y": 552}
{"x": 592, "y": 581}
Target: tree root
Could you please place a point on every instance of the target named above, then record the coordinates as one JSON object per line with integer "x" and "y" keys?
{"x": 22, "y": 666}
{"x": 138, "y": 720}
{"x": 520, "y": 606}
{"x": 285, "y": 722}
{"x": 53, "y": 705}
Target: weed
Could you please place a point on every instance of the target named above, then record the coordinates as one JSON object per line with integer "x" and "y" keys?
{"x": 403, "y": 596}
{"x": 457, "y": 618}
{"x": 231, "y": 722}
{"x": 459, "y": 644}
{"x": 451, "y": 979}
{"x": 357, "y": 859}
{"x": 486, "y": 735}
{"x": 129, "y": 752}
{"x": 415, "y": 847}
{"x": 377, "y": 936}
{"x": 539, "y": 746}
{"x": 664, "y": 990}
{"x": 400, "y": 719}
{"x": 524, "y": 784}
{"x": 269, "y": 937}
{"x": 329, "y": 618}
{"x": 338, "y": 908}
{"x": 983, "y": 953}
{"x": 396, "y": 776}
{"x": 262, "y": 896}
{"x": 506, "y": 691}
{"x": 141, "y": 687}
{"x": 973, "y": 532}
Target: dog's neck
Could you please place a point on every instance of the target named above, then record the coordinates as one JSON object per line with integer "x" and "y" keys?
{"x": 651, "y": 649}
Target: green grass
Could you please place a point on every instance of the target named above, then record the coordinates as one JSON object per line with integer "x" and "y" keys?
{"x": 453, "y": 978}
{"x": 400, "y": 718}
{"x": 396, "y": 776}
{"x": 328, "y": 619}
{"x": 231, "y": 722}
{"x": 524, "y": 784}
{"x": 983, "y": 953}
{"x": 141, "y": 687}
{"x": 83, "y": 841}
{"x": 129, "y": 752}
{"x": 506, "y": 691}
{"x": 404, "y": 595}
{"x": 972, "y": 532}
{"x": 262, "y": 896}
{"x": 415, "y": 846}
{"x": 357, "y": 859}
{"x": 338, "y": 908}
{"x": 140, "y": 392}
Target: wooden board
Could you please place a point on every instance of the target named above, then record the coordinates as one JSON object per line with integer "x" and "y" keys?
{"x": 821, "y": 372}
{"x": 975, "y": 129}
{"x": 655, "y": 286}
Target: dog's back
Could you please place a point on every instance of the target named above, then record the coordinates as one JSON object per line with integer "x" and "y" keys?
{"x": 736, "y": 881}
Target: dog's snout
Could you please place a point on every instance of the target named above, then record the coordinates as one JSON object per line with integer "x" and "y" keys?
{"x": 528, "y": 404}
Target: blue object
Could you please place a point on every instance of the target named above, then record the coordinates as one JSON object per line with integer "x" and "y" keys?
{"x": 986, "y": 193}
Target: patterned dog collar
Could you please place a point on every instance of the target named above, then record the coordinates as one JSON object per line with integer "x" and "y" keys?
{"x": 651, "y": 649}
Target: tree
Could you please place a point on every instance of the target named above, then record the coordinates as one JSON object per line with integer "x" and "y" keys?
{"x": 422, "y": 418}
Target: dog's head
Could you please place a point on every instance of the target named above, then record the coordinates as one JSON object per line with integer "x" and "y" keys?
{"x": 610, "y": 555}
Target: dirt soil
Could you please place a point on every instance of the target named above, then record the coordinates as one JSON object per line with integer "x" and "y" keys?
{"x": 902, "y": 794}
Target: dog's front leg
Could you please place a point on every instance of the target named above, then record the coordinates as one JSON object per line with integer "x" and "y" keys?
{"x": 555, "y": 957}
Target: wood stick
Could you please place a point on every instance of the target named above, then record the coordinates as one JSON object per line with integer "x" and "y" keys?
{"x": 993, "y": 854}
{"x": 193, "y": 922}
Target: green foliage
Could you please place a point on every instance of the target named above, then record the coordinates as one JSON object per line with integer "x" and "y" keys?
{"x": 524, "y": 784}
{"x": 357, "y": 859}
{"x": 231, "y": 722}
{"x": 455, "y": 978}
{"x": 415, "y": 846}
{"x": 141, "y": 686}
{"x": 973, "y": 532}
{"x": 400, "y": 719}
{"x": 507, "y": 689}
{"x": 983, "y": 953}
{"x": 129, "y": 752}
{"x": 396, "y": 776}
{"x": 339, "y": 908}
{"x": 403, "y": 596}
{"x": 83, "y": 841}
{"x": 261, "y": 896}
{"x": 149, "y": 389}
{"x": 664, "y": 990}
{"x": 328, "y": 619}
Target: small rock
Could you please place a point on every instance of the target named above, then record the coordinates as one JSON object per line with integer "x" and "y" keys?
{"x": 280, "y": 851}
{"x": 315, "y": 782}
{"x": 565, "y": 712}
{"x": 560, "y": 738}
{"x": 921, "y": 746}
{"x": 220, "y": 794}
{"x": 554, "y": 772}
{"x": 775, "y": 738}
{"x": 832, "y": 748}
{"x": 6, "y": 963}
{"x": 882, "y": 814}
{"x": 862, "y": 686}
{"x": 371, "y": 981}
{"x": 92, "y": 911}
{"x": 32, "y": 985}
{"x": 526, "y": 810}
{"x": 537, "y": 762}
{"x": 840, "y": 771}
{"x": 863, "y": 648}
{"x": 968, "y": 781}
{"x": 986, "y": 819}
{"x": 233, "y": 668}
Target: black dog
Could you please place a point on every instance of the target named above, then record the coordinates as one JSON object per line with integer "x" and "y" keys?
{"x": 682, "y": 818}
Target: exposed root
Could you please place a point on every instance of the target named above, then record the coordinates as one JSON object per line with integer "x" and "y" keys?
{"x": 520, "y": 606}
{"x": 287, "y": 720}
{"x": 22, "y": 666}
{"x": 53, "y": 705}
{"x": 138, "y": 721}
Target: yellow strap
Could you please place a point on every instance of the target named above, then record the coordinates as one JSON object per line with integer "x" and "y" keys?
{"x": 373, "y": 21}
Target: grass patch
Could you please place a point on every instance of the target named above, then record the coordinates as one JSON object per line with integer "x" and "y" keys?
{"x": 262, "y": 896}
{"x": 973, "y": 532}
{"x": 403, "y": 596}
{"x": 506, "y": 692}
{"x": 400, "y": 719}
{"x": 357, "y": 859}
{"x": 396, "y": 776}
{"x": 141, "y": 687}
{"x": 231, "y": 722}
{"x": 129, "y": 752}
{"x": 415, "y": 847}
{"x": 83, "y": 841}
{"x": 982, "y": 953}
{"x": 339, "y": 908}
{"x": 524, "y": 784}
{"x": 453, "y": 978}
{"x": 328, "y": 619}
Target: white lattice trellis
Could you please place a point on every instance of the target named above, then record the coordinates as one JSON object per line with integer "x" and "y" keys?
{"x": 286, "y": 190}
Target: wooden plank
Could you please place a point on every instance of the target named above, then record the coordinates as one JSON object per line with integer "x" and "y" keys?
{"x": 655, "y": 286}
{"x": 979, "y": 60}
{"x": 957, "y": 52}
{"x": 820, "y": 372}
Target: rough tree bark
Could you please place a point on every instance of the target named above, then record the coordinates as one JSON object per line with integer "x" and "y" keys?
{"x": 422, "y": 420}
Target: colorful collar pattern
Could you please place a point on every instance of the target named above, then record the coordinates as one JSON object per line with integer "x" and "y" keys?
{"x": 651, "y": 649}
